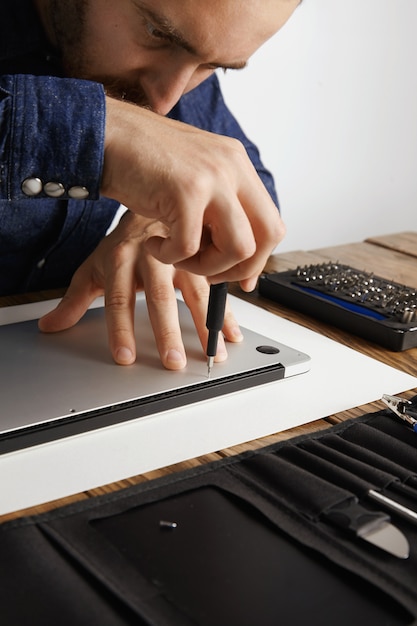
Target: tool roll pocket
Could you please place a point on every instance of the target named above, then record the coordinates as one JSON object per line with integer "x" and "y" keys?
{"x": 248, "y": 540}
{"x": 226, "y": 550}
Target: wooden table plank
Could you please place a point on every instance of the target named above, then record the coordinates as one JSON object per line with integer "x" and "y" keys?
{"x": 28, "y": 298}
{"x": 402, "y": 242}
{"x": 387, "y": 263}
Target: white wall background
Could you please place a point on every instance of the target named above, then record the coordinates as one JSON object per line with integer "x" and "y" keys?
{"x": 331, "y": 101}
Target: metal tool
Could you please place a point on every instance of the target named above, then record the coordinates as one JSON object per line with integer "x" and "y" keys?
{"x": 288, "y": 478}
{"x": 401, "y": 408}
{"x": 371, "y": 526}
{"x": 357, "y": 301}
{"x": 392, "y": 299}
{"x": 167, "y": 525}
{"x": 355, "y": 475}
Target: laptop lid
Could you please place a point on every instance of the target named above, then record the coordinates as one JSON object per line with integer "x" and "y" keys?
{"x": 56, "y": 385}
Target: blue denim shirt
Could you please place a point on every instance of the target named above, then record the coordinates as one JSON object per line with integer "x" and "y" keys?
{"x": 52, "y": 129}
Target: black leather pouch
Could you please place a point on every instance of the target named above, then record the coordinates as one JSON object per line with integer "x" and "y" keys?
{"x": 241, "y": 541}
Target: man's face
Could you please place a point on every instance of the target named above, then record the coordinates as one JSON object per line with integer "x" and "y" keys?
{"x": 152, "y": 51}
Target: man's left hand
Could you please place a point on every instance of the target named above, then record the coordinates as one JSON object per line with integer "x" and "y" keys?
{"x": 117, "y": 269}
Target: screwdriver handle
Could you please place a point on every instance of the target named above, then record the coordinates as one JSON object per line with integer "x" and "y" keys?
{"x": 215, "y": 315}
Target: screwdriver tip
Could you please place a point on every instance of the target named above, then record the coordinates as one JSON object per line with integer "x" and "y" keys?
{"x": 210, "y": 361}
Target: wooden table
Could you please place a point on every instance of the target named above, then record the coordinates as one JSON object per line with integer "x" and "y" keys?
{"x": 393, "y": 257}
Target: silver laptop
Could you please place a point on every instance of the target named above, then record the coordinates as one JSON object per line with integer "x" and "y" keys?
{"x": 56, "y": 385}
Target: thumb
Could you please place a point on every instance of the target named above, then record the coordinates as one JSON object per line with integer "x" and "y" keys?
{"x": 70, "y": 309}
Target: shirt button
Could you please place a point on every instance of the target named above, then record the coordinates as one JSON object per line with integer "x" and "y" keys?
{"x": 78, "y": 193}
{"x": 32, "y": 186}
{"x": 54, "y": 190}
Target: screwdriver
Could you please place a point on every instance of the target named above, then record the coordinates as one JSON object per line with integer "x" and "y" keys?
{"x": 215, "y": 320}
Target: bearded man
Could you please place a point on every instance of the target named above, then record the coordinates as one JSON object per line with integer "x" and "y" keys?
{"x": 106, "y": 104}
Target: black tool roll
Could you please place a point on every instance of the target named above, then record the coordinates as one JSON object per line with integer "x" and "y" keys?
{"x": 252, "y": 539}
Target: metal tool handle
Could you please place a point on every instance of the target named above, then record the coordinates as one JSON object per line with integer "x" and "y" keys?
{"x": 351, "y": 515}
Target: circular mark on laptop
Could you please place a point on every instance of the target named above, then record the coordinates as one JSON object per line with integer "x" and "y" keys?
{"x": 267, "y": 349}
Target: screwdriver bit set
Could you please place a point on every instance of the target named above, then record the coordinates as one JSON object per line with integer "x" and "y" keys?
{"x": 379, "y": 310}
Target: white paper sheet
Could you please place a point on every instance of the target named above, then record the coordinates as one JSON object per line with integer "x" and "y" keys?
{"x": 339, "y": 379}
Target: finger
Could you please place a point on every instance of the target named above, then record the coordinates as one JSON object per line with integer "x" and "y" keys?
{"x": 120, "y": 300}
{"x": 267, "y": 227}
{"x": 267, "y": 230}
{"x": 232, "y": 242}
{"x": 247, "y": 284}
{"x": 163, "y": 314}
{"x": 184, "y": 235}
{"x": 247, "y": 272}
{"x": 76, "y": 301}
{"x": 231, "y": 329}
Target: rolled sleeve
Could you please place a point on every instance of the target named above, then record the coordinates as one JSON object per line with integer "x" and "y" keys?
{"x": 51, "y": 137}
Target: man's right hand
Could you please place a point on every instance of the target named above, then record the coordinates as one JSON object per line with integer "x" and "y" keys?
{"x": 221, "y": 222}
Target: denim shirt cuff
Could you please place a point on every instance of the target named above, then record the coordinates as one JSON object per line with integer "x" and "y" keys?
{"x": 55, "y": 137}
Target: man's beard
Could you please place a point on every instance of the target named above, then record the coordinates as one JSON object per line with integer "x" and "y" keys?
{"x": 68, "y": 20}
{"x": 121, "y": 89}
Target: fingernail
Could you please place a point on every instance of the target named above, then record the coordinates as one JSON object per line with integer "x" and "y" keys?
{"x": 124, "y": 356}
{"x": 175, "y": 357}
{"x": 237, "y": 333}
{"x": 221, "y": 354}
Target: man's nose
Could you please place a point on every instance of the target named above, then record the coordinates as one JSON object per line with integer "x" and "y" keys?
{"x": 165, "y": 88}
